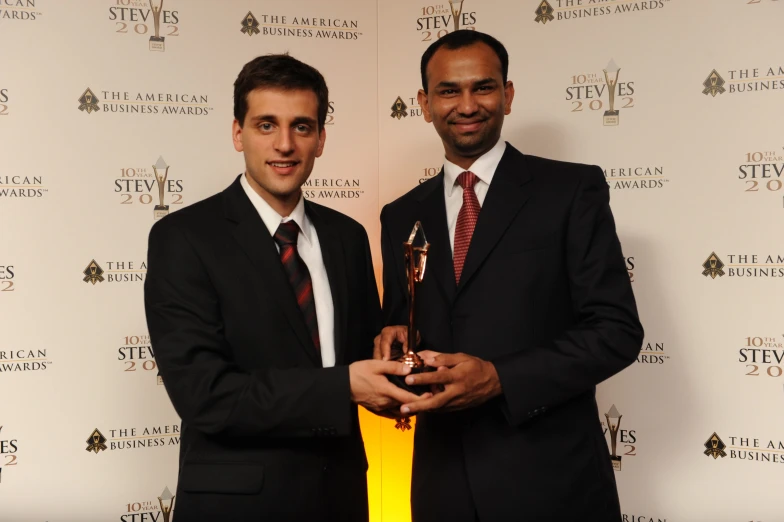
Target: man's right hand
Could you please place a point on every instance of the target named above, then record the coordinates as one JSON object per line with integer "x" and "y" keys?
{"x": 382, "y": 344}
{"x": 371, "y": 388}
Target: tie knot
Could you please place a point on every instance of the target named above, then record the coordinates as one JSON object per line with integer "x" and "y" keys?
{"x": 467, "y": 179}
{"x": 287, "y": 233}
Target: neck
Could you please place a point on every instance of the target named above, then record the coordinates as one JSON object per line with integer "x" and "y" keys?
{"x": 283, "y": 204}
{"x": 464, "y": 160}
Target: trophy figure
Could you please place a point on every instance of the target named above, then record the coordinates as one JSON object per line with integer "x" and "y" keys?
{"x": 611, "y": 117}
{"x": 415, "y": 251}
{"x": 613, "y": 424}
{"x": 166, "y": 501}
{"x": 161, "y": 209}
{"x": 457, "y": 8}
{"x": 157, "y": 41}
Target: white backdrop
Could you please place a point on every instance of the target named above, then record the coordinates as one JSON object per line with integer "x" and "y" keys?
{"x": 692, "y": 174}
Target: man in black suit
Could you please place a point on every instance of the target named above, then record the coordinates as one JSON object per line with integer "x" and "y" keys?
{"x": 262, "y": 308}
{"x": 526, "y": 306}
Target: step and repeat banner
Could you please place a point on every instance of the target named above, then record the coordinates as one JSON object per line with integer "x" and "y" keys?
{"x": 116, "y": 112}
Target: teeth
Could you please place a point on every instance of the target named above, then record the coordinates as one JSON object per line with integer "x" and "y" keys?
{"x": 282, "y": 164}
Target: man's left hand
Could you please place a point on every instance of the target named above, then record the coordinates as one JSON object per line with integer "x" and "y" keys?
{"x": 467, "y": 381}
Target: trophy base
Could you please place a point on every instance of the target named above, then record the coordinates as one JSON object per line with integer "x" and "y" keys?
{"x": 416, "y": 364}
{"x": 160, "y": 211}
{"x": 616, "y": 463}
{"x": 611, "y": 118}
{"x": 157, "y": 43}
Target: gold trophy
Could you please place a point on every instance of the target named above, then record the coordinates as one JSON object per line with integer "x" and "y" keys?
{"x": 166, "y": 501}
{"x": 157, "y": 41}
{"x": 613, "y": 423}
{"x": 611, "y": 117}
{"x": 457, "y": 8}
{"x": 161, "y": 209}
{"x": 415, "y": 251}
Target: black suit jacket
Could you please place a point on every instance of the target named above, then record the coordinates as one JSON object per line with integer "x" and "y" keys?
{"x": 545, "y": 296}
{"x": 267, "y": 433}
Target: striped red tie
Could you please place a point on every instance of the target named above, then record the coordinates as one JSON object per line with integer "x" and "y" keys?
{"x": 466, "y": 221}
{"x": 299, "y": 276}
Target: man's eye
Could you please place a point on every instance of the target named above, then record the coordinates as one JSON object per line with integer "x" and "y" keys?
{"x": 302, "y": 128}
{"x": 448, "y": 91}
{"x": 265, "y": 126}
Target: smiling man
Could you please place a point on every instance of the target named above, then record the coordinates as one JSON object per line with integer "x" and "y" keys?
{"x": 262, "y": 308}
{"x": 526, "y": 308}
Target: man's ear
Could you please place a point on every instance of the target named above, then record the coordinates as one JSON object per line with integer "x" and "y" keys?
{"x": 423, "y": 103}
{"x": 236, "y": 135}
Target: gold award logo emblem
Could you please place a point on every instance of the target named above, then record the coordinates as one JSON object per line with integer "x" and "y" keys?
{"x": 457, "y": 7}
{"x": 612, "y": 116}
{"x": 399, "y": 109}
{"x": 93, "y": 273}
{"x": 96, "y": 442}
{"x": 250, "y": 25}
{"x": 544, "y": 13}
{"x": 166, "y": 501}
{"x": 713, "y": 266}
{"x": 157, "y": 42}
{"x": 613, "y": 425}
{"x": 89, "y": 101}
{"x": 714, "y": 84}
{"x": 161, "y": 170}
{"x": 714, "y": 447}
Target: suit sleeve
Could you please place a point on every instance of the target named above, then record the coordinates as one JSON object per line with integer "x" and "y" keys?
{"x": 607, "y": 335}
{"x": 208, "y": 390}
{"x": 395, "y": 301}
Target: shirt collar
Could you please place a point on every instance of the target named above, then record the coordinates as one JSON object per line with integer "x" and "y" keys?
{"x": 271, "y": 218}
{"x": 484, "y": 167}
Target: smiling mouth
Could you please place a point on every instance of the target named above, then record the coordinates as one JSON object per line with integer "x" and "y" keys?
{"x": 468, "y": 125}
{"x": 283, "y": 164}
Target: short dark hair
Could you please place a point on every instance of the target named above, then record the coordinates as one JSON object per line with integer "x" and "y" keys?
{"x": 279, "y": 71}
{"x": 464, "y": 38}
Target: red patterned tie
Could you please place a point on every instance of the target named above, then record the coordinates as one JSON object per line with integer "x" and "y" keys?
{"x": 466, "y": 220}
{"x": 299, "y": 276}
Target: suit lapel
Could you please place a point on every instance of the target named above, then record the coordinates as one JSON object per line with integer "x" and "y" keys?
{"x": 432, "y": 215}
{"x": 504, "y": 200}
{"x": 335, "y": 265}
{"x": 253, "y": 237}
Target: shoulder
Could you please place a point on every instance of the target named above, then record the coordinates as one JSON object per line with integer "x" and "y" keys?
{"x": 561, "y": 171}
{"x": 197, "y": 219}
{"x": 414, "y": 195}
{"x": 339, "y": 222}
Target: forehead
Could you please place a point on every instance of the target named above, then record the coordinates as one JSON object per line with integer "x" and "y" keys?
{"x": 283, "y": 102}
{"x": 477, "y": 61}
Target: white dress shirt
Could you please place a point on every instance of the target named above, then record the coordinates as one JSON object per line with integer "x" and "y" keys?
{"x": 484, "y": 168}
{"x": 310, "y": 251}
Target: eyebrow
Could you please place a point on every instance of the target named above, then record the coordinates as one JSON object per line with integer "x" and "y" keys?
{"x": 272, "y": 118}
{"x": 477, "y": 83}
